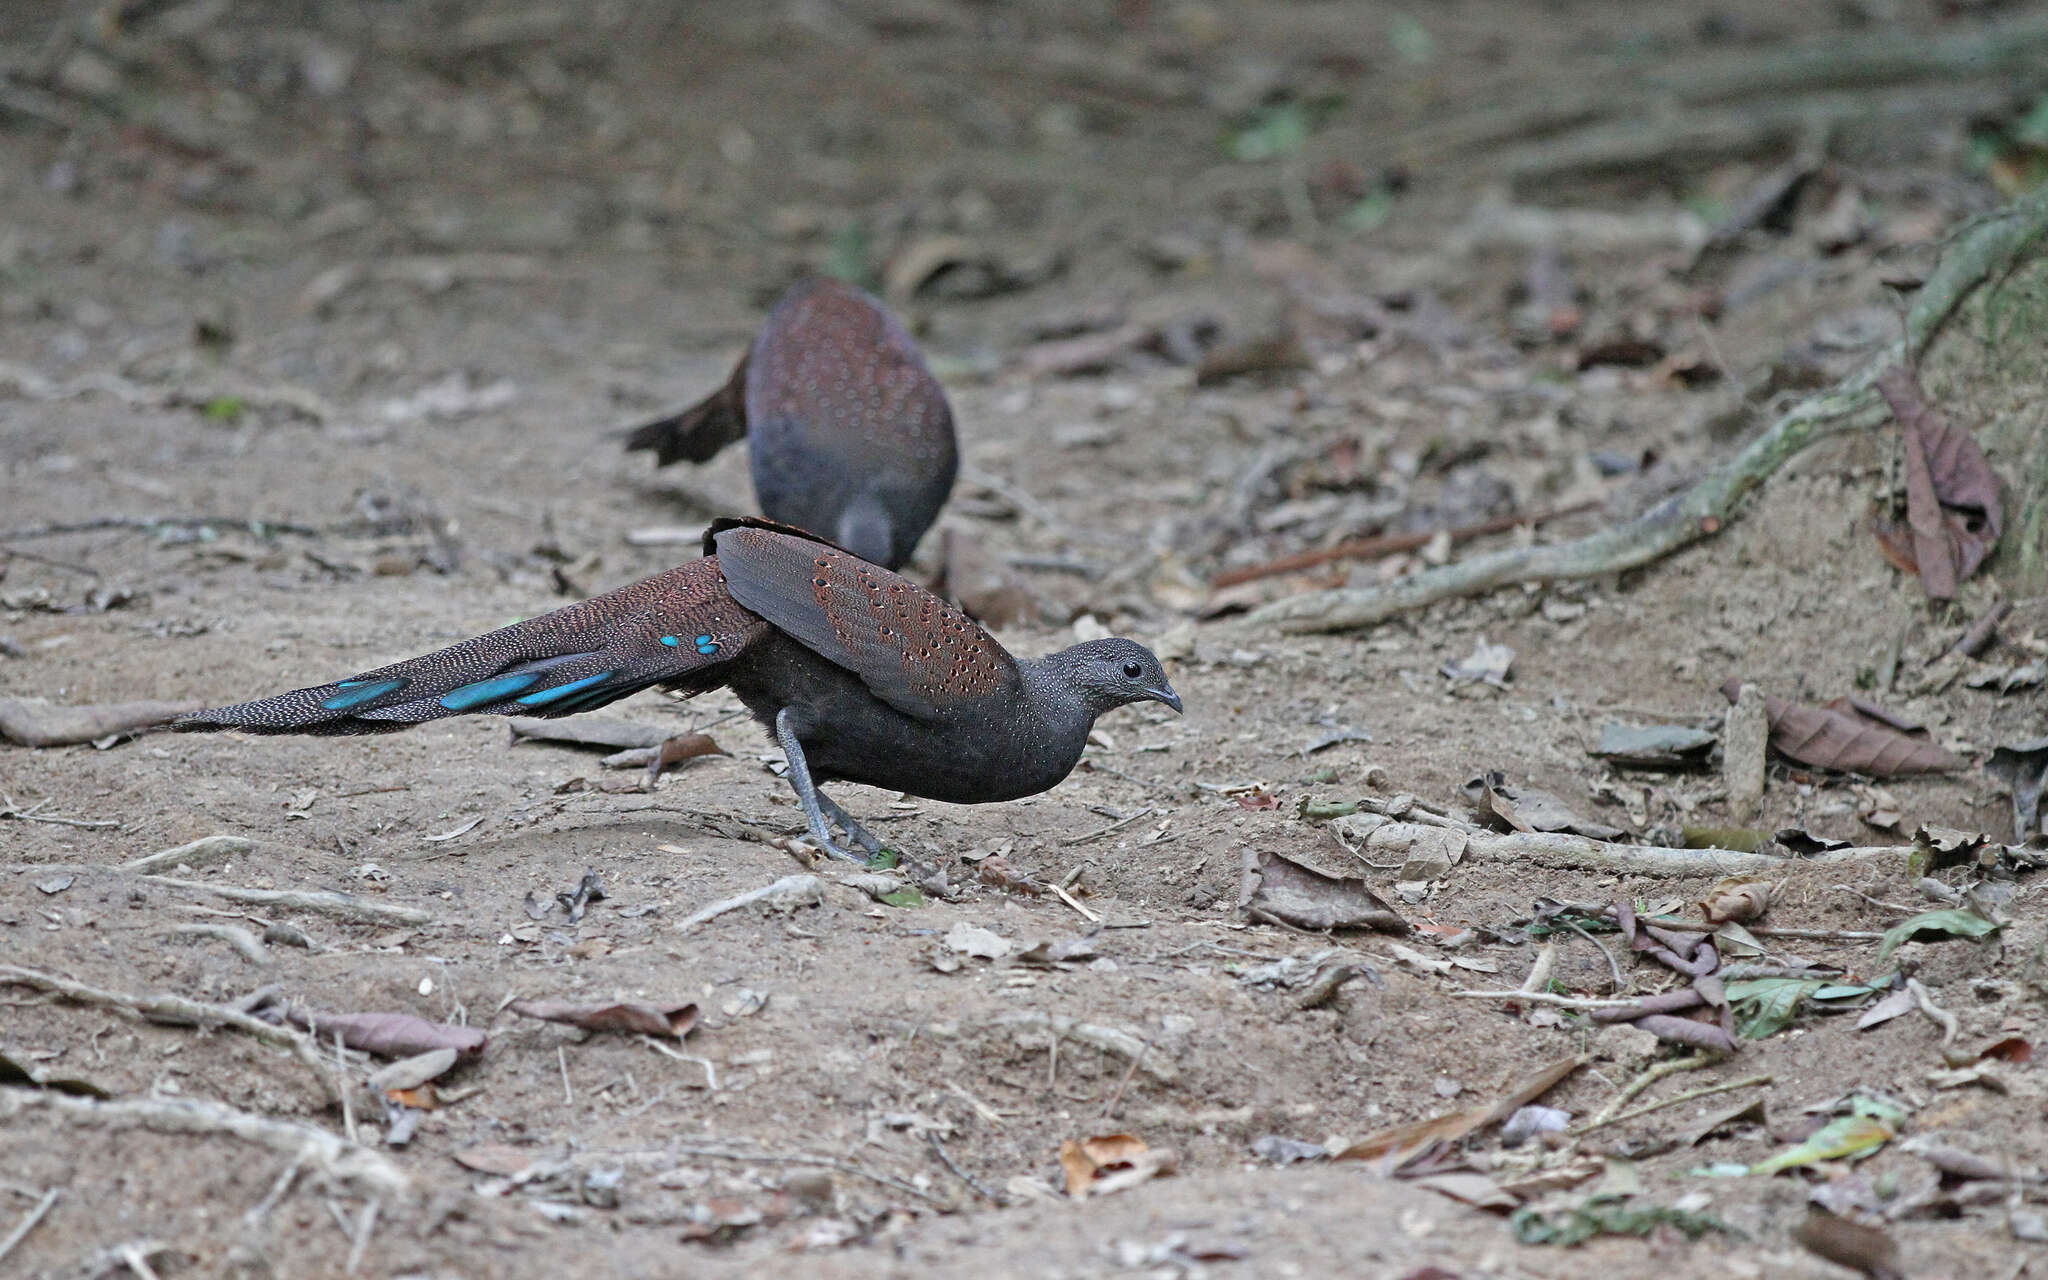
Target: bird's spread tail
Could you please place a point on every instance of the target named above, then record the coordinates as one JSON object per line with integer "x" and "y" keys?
{"x": 666, "y": 630}
{"x": 700, "y": 431}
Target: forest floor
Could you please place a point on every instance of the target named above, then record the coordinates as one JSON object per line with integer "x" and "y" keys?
{"x": 334, "y": 321}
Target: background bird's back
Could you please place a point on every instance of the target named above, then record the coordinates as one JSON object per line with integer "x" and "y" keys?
{"x": 849, "y": 435}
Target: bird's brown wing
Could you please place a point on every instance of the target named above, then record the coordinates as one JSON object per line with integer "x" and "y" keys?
{"x": 913, "y": 650}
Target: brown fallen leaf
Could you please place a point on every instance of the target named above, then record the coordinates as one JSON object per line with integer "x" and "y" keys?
{"x": 1278, "y": 354}
{"x": 683, "y": 746}
{"x": 1868, "y": 1250}
{"x": 41, "y": 724}
{"x": 1277, "y": 889}
{"x": 1851, "y": 736}
{"x": 390, "y": 1035}
{"x": 671, "y": 1021}
{"x": 1407, "y": 1139}
{"x": 996, "y": 870}
{"x": 1533, "y": 809}
{"x": 495, "y": 1158}
{"x": 1954, "y": 510}
{"x": 1088, "y": 353}
{"x": 1736, "y": 898}
{"x": 1111, "y": 1162}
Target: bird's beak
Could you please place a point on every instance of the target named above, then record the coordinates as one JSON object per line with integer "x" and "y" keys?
{"x": 1166, "y": 695}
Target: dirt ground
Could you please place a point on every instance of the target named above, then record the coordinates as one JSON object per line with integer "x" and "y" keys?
{"x": 374, "y": 287}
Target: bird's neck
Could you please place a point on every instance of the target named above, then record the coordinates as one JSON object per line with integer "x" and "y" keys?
{"x": 1065, "y": 701}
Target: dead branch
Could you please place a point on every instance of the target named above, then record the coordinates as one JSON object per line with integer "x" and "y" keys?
{"x": 180, "y": 1011}
{"x": 358, "y": 1169}
{"x": 1387, "y": 544}
{"x": 1983, "y": 250}
{"x": 204, "y": 849}
{"x": 343, "y": 905}
{"x": 41, "y": 724}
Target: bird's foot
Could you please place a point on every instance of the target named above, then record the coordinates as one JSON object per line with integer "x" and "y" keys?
{"x": 854, "y": 831}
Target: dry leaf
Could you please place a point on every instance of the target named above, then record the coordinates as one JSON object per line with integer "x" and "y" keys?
{"x": 1736, "y": 898}
{"x": 1276, "y": 888}
{"x": 683, "y": 746}
{"x": 1852, "y": 736}
{"x": 670, "y": 1021}
{"x": 586, "y": 731}
{"x": 1850, "y": 1244}
{"x": 1111, "y": 1162}
{"x": 495, "y": 1158}
{"x": 391, "y": 1035}
{"x": 1953, "y": 506}
{"x": 1533, "y": 809}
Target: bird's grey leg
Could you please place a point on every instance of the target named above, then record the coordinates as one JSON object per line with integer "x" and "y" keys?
{"x": 806, "y": 793}
{"x": 854, "y": 831}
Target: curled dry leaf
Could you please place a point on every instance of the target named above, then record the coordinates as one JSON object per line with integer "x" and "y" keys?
{"x": 1111, "y": 1162}
{"x": 680, "y": 748}
{"x": 1532, "y": 808}
{"x": 1274, "y": 888}
{"x": 1852, "y": 736}
{"x": 614, "y": 735}
{"x": 670, "y": 1021}
{"x": 1736, "y": 898}
{"x": 391, "y": 1035}
{"x": 1954, "y": 512}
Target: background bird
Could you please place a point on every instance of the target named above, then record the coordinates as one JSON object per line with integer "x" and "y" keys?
{"x": 848, "y": 434}
{"x": 861, "y": 675}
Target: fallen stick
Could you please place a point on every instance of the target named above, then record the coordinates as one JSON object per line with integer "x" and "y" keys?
{"x": 28, "y": 1223}
{"x": 1672, "y": 1101}
{"x": 41, "y": 724}
{"x": 204, "y": 849}
{"x": 1986, "y": 249}
{"x": 1123, "y": 1044}
{"x": 180, "y": 1011}
{"x": 789, "y": 892}
{"x": 355, "y": 1168}
{"x": 1387, "y": 544}
{"x": 1580, "y": 853}
{"x": 344, "y": 905}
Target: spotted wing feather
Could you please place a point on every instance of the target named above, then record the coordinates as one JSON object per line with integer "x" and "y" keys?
{"x": 673, "y": 629}
{"x": 910, "y": 648}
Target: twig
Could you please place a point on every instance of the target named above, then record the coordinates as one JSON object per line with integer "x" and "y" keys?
{"x": 1672, "y": 1101}
{"x": 360, "y": 1240}
{"x": 1387, "y": 544}
{"x": 28, "y": 1223}
{"x": 343, "y": 905}
{"x": 562, "y": 1061}
{"x": 1117, "y": 1095}
{"x": 258, "y": 528}
{"x": 365, "y": 1171}
{"x": 1971, "y": 642}
{"x": 1982, "y": 251}
{"x": 348, "y": 1110}
{"x": 278, "y": 1191}
{"x": 136, "y": 1256}
{"x": 1546, "y": 997}
{"x": 1099, "y": 832}
{"x": 1068, "y": 898}
{"x": 1656, "y": 1072}
{"x": 1613, "y": 965}
{"x": 204, "y": 849}
{"x": 9, "y": 809}
{"x": 939, "y": 1149}
{"x": 180, "y": 1011}
{"x": 790, "y": 890}
{"x": 1580, "y": 853}
{"x": 710, "y": 1071}
{"x": 1540, "y": 968}
{"x": 247, "y": 943}
{"x": 816, "y": 1162}
{"x": 1948, "y": 1022}
{"x": 1774, "y": 931}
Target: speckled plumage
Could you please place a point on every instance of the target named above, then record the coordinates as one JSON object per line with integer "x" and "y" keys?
{"x": 848, "y": 434}
{"x": 862, "y": 675}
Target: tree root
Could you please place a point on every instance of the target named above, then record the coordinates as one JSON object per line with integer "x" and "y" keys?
{"x": 1982, "y": 251}
{"x": 350, "y": 1167}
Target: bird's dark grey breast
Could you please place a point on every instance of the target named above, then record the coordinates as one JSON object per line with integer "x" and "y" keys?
{"x": 974, "y": 751}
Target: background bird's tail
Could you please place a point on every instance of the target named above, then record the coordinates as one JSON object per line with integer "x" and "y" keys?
{"x": 701, "y": 430}
{"x": 671, "y": 629}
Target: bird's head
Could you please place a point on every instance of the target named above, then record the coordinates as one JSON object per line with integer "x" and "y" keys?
{"x": 1114, "y": 672}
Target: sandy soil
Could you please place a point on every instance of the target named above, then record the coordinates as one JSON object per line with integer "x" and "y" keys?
{"x": 370, "y": 275}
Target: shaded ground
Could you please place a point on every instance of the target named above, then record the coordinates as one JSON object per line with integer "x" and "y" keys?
{"x": 379, "y": 280}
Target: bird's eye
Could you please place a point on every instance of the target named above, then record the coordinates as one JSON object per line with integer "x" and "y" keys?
{"x": 1133, "y": 670}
